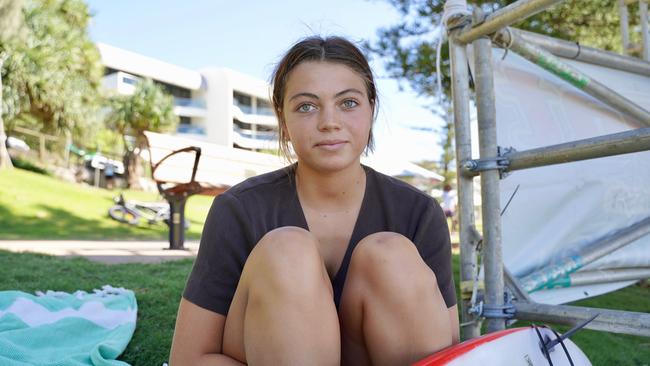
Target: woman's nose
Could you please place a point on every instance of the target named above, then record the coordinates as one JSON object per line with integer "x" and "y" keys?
{"x": 329, "y": 119}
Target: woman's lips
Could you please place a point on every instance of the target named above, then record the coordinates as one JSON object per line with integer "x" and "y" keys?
{"x": 331, "y": 144}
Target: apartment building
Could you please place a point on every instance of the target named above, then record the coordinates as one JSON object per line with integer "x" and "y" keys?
{"x": 216, "y": 105}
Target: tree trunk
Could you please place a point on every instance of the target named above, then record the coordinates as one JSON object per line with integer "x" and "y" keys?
{"x": 5, "y": 160}
{"x": 132, "y": 164}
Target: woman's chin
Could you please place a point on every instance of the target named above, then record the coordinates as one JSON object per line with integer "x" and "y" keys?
{"x": 332, "y": 165}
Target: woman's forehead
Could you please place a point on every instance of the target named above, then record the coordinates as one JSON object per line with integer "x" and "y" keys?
{"x": 323, "y": 77}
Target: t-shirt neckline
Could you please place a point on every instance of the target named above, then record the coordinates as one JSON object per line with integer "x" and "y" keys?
{"x": 355, "y": 231}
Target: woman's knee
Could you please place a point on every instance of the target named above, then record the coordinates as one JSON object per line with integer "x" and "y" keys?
{"x": 288, "y": 258}
{"x": 387, "y": 258}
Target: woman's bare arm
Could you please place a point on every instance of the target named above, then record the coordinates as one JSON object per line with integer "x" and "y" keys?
{"x": 455, "y": 326}
{"x": 198, "y": 338}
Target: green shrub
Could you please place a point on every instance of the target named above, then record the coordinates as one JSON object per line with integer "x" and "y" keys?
{"x": 29, "y": 165}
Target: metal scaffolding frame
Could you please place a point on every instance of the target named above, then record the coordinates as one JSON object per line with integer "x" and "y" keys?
{"x": 500, "y": 286}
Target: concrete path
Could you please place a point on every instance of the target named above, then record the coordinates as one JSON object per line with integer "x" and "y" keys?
{"x": 110, "y": 252}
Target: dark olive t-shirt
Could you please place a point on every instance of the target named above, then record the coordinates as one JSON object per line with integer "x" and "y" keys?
{"x": 240, "y": 217}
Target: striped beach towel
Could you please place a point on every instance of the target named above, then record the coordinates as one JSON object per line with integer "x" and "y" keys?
{"x": 58, "y": 328}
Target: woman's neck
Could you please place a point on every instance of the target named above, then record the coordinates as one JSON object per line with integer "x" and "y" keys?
{"x": 330, "y": 191}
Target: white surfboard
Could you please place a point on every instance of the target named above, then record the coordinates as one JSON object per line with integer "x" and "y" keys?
{"x": 511, "y": 347}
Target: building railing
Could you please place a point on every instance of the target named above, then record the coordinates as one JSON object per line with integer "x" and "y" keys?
{"x": 189, "y": 102}
{"x": 257, "y": 135}
{"x": 191, "y": 129}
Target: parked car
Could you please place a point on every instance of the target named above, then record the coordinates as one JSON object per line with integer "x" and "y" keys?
{"x": 15, "y": 143}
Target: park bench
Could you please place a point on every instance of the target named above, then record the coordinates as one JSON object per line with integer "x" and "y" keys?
{"x": 183, "y": 167}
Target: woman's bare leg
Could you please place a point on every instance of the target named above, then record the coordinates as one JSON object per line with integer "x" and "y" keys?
{"x": 283, "y": 311}
{"x": 391, "y": 312}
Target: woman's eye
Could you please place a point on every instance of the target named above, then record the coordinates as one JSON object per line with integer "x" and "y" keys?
{"x": 349, "y": 103}
{"x": 304, "y": 108}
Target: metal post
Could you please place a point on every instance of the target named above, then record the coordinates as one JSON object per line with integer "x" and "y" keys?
{"x": 616, "y": 321}
{"x": 177, "y": 221}
{"x": 96, "y": 177}
{"x": 491, "y": 206}
{"x": 66, "y": 152}
{"x": 595, "y": 147}
{"x": 460, "y": 91}
{"x": 598, "y": 249}
{"x": 600, "y": 276}
{"x": 41, "y": 147}
{"x": 515, "y": 286}
{"x": 545, "y": 59}
{"x": 625, "y": 33}
{"x": 578, "y": 52}
{"x": 645, "y": 36}
{"x": 503, "y": 17}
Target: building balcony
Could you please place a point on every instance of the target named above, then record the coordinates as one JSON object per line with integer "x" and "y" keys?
{"x": 254, "y": 119}
{"x": 255, "y": 139}
{"x": 189, "y": 102}
{"x": 187, "y": 107}
{"x": 191, "y": 130}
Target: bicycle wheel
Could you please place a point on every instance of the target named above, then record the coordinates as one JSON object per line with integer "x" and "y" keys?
{"x": 123, "y": 214}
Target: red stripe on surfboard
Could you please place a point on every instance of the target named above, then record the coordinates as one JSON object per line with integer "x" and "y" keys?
{"x": 453, "y": 352}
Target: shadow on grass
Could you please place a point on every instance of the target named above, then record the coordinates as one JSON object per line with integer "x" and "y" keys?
{"x": 57, "y": 223}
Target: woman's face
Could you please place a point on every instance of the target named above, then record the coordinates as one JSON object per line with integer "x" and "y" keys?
{"x": 327, "y": 115}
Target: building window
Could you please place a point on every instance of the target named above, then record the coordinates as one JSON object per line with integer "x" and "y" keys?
{"x": 175, "y": 90}
{"x": 129, "y": 80}
{"x": 264, "y": 107}
{"x": 185, "y": 120}
{"x": 243, "y": 101}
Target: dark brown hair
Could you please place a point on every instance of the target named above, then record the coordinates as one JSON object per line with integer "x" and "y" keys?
{"x": 331, "y": 49}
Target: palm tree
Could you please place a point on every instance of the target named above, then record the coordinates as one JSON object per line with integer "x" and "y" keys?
{"x": 149, "y": 108}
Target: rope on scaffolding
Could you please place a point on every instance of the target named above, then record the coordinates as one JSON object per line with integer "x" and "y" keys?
{"x": 442, "y": 36}
{"x": 454, "y": 9}
{"x": 578, "y": 53}
{"x": 507, "y": 46}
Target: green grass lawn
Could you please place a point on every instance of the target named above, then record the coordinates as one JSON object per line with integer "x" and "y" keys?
{"x": 158, "y": 288}
{"x": 34, "y": 206}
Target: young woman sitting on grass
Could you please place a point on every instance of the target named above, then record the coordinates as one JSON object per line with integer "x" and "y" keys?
{"x": 326, "y": 261}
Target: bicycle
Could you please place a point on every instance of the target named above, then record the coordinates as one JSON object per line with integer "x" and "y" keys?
{"x": 131, "y": 212}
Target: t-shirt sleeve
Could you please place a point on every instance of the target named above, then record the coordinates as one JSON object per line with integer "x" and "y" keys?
{"x": 434, "y": 245}
{"x": 226, "y": 242}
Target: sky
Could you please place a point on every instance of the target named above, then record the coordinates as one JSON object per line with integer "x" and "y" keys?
{"x": 250, "y": 36}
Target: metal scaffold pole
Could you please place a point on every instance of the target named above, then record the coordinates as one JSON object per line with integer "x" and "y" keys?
{"x": 545, "y": 59}
{"x": 491, "y": 207}
{"x": 470, "y": 326}
{"x": 608, "y": 320}
{"x": 625, "y": 33}
{"x": 645, "y": 35}
{"x": 596, "y": 147}
{"x": 512, "y": 13}
{"x": 596, "y": 250}
{"x": 578, "y": 52}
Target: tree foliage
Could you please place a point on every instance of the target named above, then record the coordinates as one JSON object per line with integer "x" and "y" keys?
{"x": 149, "y": 108}
{"x": 11, "y": 25}
{"x": 408, "y": 48}
{"x": 53, "y": 73}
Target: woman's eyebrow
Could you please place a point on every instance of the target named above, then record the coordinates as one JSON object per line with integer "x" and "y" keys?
{"x": 308, "y": 95}
{"x": 351, "y": 90}
{"x": 314, "y": 96}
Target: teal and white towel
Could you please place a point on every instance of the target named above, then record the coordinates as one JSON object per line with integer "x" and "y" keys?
{"x": 58, "y": 328}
